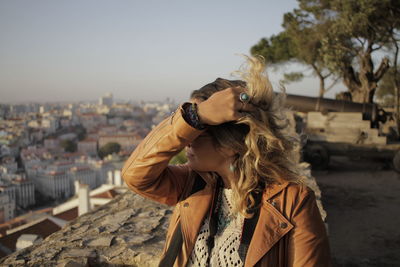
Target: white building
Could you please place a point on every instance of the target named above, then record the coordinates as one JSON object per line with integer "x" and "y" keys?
{"x": 51, "y": 143}
{"x": 106, "y": 100}
{"x": 128, "y": 141}
{"x": 7, "y": 208}
{"x": 101, "y": 168}
{"x": 8, "y": 165}
{"x": 8, "y": 189}
{"x": 55, "y": 184}
{"x": 4, "y": 150}
{"x": 83, "y": 174}
{"x": 44, "y": 109}
{"x": 92, "y": 120}
{"x": 88, "y": 146}
{"x": 19, "y": 189}
{"x": 25, "y": 190}
{"x": 114, "y": 178}
{"x": 50, "y": 124}
{"x": 62, "y": 165}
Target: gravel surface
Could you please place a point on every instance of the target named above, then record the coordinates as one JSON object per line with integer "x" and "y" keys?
{"x": 362, "y": 199}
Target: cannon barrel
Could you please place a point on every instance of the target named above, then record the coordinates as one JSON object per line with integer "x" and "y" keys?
{"x": 370, "y": 111}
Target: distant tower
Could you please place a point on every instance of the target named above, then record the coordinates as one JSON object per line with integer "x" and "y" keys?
{"x": 43, "y": 109}
{"x": 106, "y": 100}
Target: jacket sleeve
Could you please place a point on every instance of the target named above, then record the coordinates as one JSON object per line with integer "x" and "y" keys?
{"x": 147, "y": 171}
{"x": 308, "y": 241}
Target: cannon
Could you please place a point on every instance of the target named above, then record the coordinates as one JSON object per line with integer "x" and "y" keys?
{"x": 339, "y": 127}
{"x": 370, "y": 111}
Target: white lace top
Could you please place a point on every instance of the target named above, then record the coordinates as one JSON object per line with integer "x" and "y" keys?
{"x": 226, "y": 241}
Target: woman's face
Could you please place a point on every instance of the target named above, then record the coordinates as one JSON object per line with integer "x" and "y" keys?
{"x": 202, "y": 154}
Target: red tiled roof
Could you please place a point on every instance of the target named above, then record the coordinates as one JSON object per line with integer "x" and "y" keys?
{"x": 80, "y": 168}
{"x": 20, "y": 220}
{"x": 88, "y": 140}
{"x": 43, "y": 228}
{"x": 59, "y": 163}
{"x": 72, "y": 154}
{"x": 68, "y": 215}
{"x": 108, "y": 194}
{"x": 56, "y": 173}
{"x": 123, "y": 153}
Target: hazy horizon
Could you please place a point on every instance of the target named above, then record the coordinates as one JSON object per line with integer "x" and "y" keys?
{"x": 54, "y": 51}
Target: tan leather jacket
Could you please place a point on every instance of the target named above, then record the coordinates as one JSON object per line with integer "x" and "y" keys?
{"x": 289, "y": 232}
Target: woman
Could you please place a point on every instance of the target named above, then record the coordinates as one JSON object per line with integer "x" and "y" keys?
{"x": 241, "y": 198}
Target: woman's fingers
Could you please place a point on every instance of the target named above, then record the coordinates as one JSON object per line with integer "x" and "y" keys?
{"x": 238, "y": 115}
{"x": 248, "y": 107}
{"x": 225, "y": 106}
{"x": 242, "y": 106}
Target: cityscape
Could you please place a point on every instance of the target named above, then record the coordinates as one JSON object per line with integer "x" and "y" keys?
{"x": 59, "y": 161}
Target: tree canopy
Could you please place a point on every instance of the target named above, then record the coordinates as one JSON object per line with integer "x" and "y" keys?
{"x": 108, "y": 149}
{"x": 338, "y": 39}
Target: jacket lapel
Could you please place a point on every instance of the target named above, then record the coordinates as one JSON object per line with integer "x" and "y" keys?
{"x": 271, "y": 227}
{"x": 194, "y": 209}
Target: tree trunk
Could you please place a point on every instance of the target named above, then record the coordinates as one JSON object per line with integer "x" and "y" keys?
{"x": 362, "y": 85}
{"x": 396, "y": 86}
{"x": 321, "y": 86}
{"x": 321, "y": 92}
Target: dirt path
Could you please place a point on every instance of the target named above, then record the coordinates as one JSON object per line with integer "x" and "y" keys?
{"x": 362, "y": 200}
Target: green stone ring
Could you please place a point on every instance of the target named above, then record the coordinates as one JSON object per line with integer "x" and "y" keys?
{"x": 244, "y": 97}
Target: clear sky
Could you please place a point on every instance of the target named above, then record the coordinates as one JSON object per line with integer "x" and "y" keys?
{"x": 72, "y": 50}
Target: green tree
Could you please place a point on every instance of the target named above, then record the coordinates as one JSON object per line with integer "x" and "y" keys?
{"x": 386, "y": 84}
{"x": 108, "y": 149}
{"x": 80, "y": 132}
{"x": 300, "y": 42}
{"x": 393, "y": 27}
{"x": 68, "y": 145}
{"x": 179, "y": 158}
{"x": 358, "y": 30}
{"x": 337, "y": 39}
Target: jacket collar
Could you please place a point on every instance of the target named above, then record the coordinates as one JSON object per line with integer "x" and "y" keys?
{"x": 199, "y": 203}
{"x": 208, "y": 177}
{"x": 271, "y": 227}
{"x": 274, "y": 188}
{"x": 270, "y": 190}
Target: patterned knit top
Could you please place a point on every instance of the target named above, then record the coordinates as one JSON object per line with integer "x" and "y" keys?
{"x": 226, "y": 240}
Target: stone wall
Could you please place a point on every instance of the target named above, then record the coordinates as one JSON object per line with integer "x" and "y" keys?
{"x": 129, "y": 230}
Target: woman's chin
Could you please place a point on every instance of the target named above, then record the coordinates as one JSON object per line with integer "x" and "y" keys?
{"x": 192, "y": 164}
{"x": 195, "y": 166}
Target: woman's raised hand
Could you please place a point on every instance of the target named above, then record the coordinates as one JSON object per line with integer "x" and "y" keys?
{"x": 223, "y": 106}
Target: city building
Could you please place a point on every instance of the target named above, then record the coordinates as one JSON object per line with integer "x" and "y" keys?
{"x": 7, "y": 208}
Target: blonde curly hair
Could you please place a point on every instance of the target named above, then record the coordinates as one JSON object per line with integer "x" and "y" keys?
{"x": 267, "y": 150}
